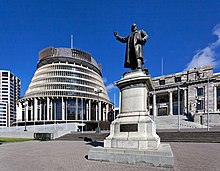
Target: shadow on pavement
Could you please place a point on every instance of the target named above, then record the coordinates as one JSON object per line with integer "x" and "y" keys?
{"x": 96, "y": 143}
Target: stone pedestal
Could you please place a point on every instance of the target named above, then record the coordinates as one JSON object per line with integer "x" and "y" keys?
{"x": 133, "y": 137}
{"x": 133, "y": 128}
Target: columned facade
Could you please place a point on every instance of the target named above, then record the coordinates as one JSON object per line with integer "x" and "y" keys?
{"x": 63, "y": 88}
{"x": 171, "y": 102}
{"x": 199, "y": 95}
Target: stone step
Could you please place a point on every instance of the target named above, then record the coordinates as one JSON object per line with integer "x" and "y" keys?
{"x": 189, "y": 136}
{"x": 205, "y": 137}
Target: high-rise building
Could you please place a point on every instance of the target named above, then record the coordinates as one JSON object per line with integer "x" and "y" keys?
{"x": 67, "y": 86}
{"x": 9, "y": 93}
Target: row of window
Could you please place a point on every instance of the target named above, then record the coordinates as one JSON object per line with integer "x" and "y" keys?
{"x": 3, "y": 98}
{"x": 65, "y": 80}
{"x": 66, "y": 67}
{"x": 176, "y": 79}
{"x": 62, "y": 86}
{"x": 62, "y": 93}
{"x": 65, "y": 73}
{"x": 63, "y": 67}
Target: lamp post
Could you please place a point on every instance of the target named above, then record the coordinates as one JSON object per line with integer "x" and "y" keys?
{"x": 178, "y": 108}
{"x": 66, "y": 113}
{"x": 98, "y": 129}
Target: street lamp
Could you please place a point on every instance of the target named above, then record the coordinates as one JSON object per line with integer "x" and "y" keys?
{"x": 98, "y": 129}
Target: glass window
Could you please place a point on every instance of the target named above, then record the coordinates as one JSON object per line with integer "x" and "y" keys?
{"x": 162, "y": 82}
{"x": 200, "y": 91}
{"x": 177, "y": 79}
{"x": 5, "y": 74}
{"x": 218, "y": 97}
{"x": 200, "y": 105}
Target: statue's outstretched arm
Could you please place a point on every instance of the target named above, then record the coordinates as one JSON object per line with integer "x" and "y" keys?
{"x": 119, "y": 38}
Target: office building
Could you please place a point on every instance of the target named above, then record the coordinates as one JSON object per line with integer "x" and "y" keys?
{"x": 9, "y": 93}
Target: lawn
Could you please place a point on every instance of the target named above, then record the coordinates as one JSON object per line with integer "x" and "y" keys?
{"x": 6, "y": 140}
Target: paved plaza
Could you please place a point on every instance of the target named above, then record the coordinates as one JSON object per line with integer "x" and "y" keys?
{"x": 71, "y": 156}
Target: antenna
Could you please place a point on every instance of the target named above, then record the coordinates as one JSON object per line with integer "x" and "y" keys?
{"x": 162, "y": 66}
{"x": 72, "y": 43}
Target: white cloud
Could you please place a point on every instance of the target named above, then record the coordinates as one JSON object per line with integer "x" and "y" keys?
{"x": 110, "y": 87}
{"x": 207, "y": 56}
{"x": 104, "y": 79}
{"x": 216, "y": 30}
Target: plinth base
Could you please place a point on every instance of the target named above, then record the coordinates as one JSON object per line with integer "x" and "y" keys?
{"x": 162, "y": 157}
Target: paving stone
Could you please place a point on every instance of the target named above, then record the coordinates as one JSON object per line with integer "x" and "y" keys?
{"x": 71, "y": 156}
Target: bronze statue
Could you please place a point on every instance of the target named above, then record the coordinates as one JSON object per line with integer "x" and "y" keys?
{"x": 134, "y": 58}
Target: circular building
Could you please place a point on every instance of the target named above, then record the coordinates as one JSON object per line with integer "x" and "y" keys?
{"x": 67, "y": 86}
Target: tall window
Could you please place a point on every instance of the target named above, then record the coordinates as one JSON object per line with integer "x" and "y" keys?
{"x": 200, "y": 91}
{"x": 218, "y": 97}
{"x": 200, "y": 105}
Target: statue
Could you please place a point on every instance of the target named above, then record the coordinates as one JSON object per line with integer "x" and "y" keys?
{"x": 134, "y": 58}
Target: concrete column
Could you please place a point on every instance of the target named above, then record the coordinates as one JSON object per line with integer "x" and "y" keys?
{"x": 66, "y": 109}
{"x": 90, "y": 108}
{"x": 32, "y": 110}
{"x": 26, "y": 110}
{"x": 154, "y": 105}
{"x": 51, "y": 109}
{"x": 215, "y": 99}
{"x": 107, "y": 110}
{"x": 100, "y": 111}
{"x": 77, "y": 111}
{"x": 185, "y": 101}
{"x": 35, "y": 108}
{"x": 171, "y": 102}
{"x": 19, "y": 112}
{"x": 82, "y": 107}
{"x": 96, "y": 111}
{"x": 40, "y": 110}
{"x": 87, "y": 110}
{"x": 48, "y": 108}
{"x": 63, "y": 109}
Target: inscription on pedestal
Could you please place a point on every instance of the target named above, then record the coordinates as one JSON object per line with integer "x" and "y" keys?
{"x": 128, "y": 127}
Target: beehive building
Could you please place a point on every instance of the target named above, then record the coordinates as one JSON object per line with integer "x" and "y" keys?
{"x": 67, "y": 86}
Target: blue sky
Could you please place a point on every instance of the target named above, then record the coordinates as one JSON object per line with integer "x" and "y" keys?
{"x": 185, "y": 33}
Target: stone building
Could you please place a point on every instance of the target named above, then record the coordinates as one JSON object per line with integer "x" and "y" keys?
{"x": 67, "y": 86}
{"x": 195, "y": 93}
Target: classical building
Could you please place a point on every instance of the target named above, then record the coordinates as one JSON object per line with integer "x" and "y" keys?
{"x": 67, "y": 86}
{"x": 9, "y": 93}
{"x": 195, "y": 93}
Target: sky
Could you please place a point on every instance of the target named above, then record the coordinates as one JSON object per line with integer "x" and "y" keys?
{"x": 183, "y": 34}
